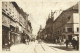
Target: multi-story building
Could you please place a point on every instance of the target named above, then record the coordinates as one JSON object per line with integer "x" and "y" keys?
{"x": 66, "y": 25}
{"x": 49, "y": 26}
{"x": 14, "y": 23}
{"x": 47, "y": 32}
{"x": 39, "y": 34}
{"x": 29, "y": 29}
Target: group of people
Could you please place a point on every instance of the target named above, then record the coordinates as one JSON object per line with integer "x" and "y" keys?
{"x": 27, "y": 41}
{"x": 39, "y": 40}
{"x": 7, "y": 45}
{"x": 73, "y": 42}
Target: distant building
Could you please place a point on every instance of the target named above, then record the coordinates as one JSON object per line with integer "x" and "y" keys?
{"x": 39, "y": 34}
{"x": 47, "y": 32}
{"x": 49, "y": 26}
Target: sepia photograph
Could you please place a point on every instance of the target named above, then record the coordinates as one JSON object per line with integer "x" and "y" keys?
{"x": 40, "y": 26}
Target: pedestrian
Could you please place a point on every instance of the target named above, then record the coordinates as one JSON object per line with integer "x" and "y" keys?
{"x": 77, "y": 43}
{"x": 56, "y": 41}
{"x": 6, "y": 46}
{"x": 39, "y": 40}
{"x": 9, "y": 45}
{"x": 64, "y": 40}
{"x": 67, "y": 42}
{"x": 74, "y": 43}
{"x": 60, "y": 41}
{"x": 26, "y": 41}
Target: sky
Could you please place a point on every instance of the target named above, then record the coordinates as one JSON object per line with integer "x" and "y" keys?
{"x": 39, "y": 10}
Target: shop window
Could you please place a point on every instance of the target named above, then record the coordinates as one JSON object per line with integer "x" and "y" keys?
{"x": 69, "y": 29}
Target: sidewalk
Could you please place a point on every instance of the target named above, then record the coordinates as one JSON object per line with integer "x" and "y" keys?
{"x": 21, "y": 48}
{"x": 60, "y": 47}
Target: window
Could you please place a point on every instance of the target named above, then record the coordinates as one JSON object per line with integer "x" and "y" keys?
{"x": 77, "y": 29}
{"x": 69, "y": 17}
{"x": 69, "y": 29}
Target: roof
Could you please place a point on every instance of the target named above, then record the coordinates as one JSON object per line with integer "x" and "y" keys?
{"x": 20, "y": 10}
{"x": 75, "y": 7}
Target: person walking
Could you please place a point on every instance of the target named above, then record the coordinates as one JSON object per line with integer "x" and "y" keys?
{"x": 27, "y": 41}
{"x": 67, "y": 42}
{"x": 9, "y": 45}
{"x": 74, "y": 43}
{"x": 77, "y": 44}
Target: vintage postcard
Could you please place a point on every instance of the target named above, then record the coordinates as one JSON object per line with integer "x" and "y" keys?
{"x": 39, "y": 26}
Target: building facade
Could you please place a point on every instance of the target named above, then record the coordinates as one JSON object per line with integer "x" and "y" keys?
{"x": 49, "y": 26}
{"x": 14, "y": 23}
{"x": 47, "y": 33}
{"x": 66, "y": 25}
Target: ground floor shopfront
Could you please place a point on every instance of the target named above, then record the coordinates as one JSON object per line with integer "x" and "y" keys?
{"x": 5, "y": 35}
{"x": 63, "y": 37}
{"x": 9, "y": 37}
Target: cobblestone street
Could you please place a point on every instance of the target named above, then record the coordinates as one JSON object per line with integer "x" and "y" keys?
{"x": 35, "y": 47}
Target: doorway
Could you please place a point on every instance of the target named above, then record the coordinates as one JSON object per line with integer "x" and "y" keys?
{"x": 70, "y": 37}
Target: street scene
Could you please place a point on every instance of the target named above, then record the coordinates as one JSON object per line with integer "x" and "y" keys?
{"x": 40, "y": 26}
{"x": 35, "y": 47}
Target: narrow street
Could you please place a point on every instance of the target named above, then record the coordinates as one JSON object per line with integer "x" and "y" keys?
{"x": 35, "y": 47}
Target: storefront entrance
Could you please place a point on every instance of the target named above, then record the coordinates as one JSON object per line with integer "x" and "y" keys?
{"x": 5, "y": 36}
{"x": 70, "y": 37}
